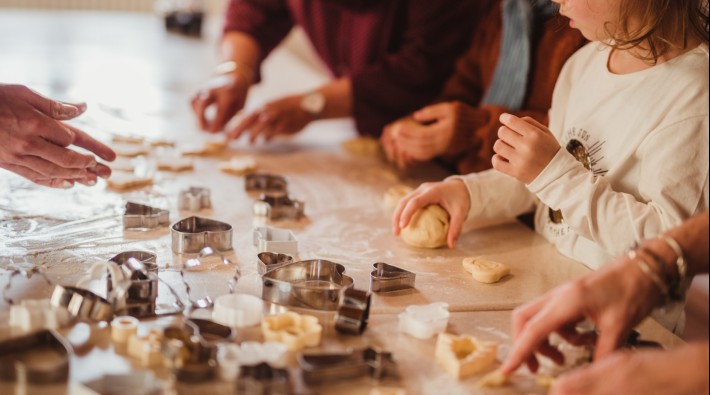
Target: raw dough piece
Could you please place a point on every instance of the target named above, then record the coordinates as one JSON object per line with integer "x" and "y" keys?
{"x": 238, "y": 166}
{"x": 175, "y": 164}
{"x": 387, "y": 391}
{"x": 161, "y": 143}
{"x": 292, "y": 329}
{"x": 206, "y": 149}
{"x": 463, "y": 356}
{"x": 128, "y": 139}
{"x": 485, "y": 271}
{"x": 122, "y": 163}
{"x": 394, "y": 194}
{"x": 130, "y": 150}
{"x": 122, "y": 181}
{"x": 364, "y": 146}
{"x": 493, "y": 379}
{"x": 427, "y": 228}
{"x": 544, "y": 381}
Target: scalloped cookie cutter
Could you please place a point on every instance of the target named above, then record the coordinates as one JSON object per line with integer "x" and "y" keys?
{"x": 334, "y": 367}
{"x": 140, "y": 216}
{"x": 192, "y": 234}
{"x": 194, "y": 199}
{"x": 276, "y": 206}
{"x": 424, "y": 321}
{"x": 388, "y": 278}
{"x": 15, "y": 369}
{"x": 313, "y": 284}
{"x": 268, "y": 239}
{"x": 264, "y": 182}
{"x": 268, "y": 261}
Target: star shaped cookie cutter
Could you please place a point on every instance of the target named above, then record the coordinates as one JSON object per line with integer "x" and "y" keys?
{"x": 312, "y": 284}
{"x": 140, "y": 216}
{"x": 388, "y": 278}
{"x": 357, "y": 363}
{"x": 194, "y": 199}
{"x": 192, "y": 234}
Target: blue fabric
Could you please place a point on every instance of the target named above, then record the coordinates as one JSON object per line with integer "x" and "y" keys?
{"x": 510, "y": 79}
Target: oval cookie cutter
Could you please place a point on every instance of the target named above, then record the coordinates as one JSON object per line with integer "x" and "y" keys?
{"x": 312, "y": 284}
{"x": 192, "y": 234}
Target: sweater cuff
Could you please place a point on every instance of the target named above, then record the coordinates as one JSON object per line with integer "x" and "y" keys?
{"x": 552, "y": 174}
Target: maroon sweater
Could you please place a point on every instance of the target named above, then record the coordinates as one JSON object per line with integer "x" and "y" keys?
{"x": 397, "y": 53}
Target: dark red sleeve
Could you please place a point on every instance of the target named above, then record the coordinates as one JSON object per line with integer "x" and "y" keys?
{"x": 434, "y": 35}
{"x": 268, "y": 21}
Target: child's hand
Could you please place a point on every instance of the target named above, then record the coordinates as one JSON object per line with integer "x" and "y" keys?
{"x": 524, "y": 148}
{"x": 452, "y": 195}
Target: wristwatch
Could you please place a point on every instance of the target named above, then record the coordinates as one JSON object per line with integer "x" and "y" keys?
{"x": 313, "y": 103}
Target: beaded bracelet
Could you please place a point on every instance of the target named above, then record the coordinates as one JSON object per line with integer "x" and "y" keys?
{"x": 646, "y": 269}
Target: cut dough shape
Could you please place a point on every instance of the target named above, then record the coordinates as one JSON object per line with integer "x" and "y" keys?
{"x": 238, "y": 166}
{"x": 206, "y": 149}
{"x": 146, "y": 349}
{"x": 122, "y": 163}
{"x": 484, "y": 270}
{"x": 493, "y": 379}
{"x": 292, "y": 329}
{"x": 394, "y": 195}
{"x": 161, "y": 143}
{"x": 123, "y": 180}
{"x": 130, "y": 150}
{"x": 175, "y": 164}
{"x": 35, "y": 314}
{"x": 363, "y": 146}
{"x": 544, "y": 380}
{"x": 427, "y": 228}
{"x": 387, "y": 391}
{"x": 464, "y": 356}
{"x": 120, "y": 139}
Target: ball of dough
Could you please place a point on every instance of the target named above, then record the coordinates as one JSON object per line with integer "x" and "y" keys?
{"x": 394, "y": 194}
{"x": 427, "y": 228}
{"x": 363, "y": 146}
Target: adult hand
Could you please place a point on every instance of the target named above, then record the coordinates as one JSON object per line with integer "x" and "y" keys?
{"x": 452, "y": 195}
{"x": 228, "y": 93}
{"x": 279, "y": 117}
{"x": 616, "y": 298}
{"x": 35, "y": 140}
{"x": 524, "y": 147}
{"x": 390, "y": 145}
{"x": 682, "y": 370}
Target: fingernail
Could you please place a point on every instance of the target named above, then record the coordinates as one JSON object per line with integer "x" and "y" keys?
{"x": 66, "y": 184}
{"x": 505, "y": 117}
{"x": 91, "y": 183}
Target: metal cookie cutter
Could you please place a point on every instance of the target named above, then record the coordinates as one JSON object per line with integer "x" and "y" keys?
{"x": 26, "y": 273}
{"x": 13, "y": 368}
{"x": 140, "y": 216}
{"x": 82, "y": 303}
{"x": 194, "y": 199}
{"x": 191, "y": 234}
{"x": 277, "y": 240}
{"x": 331, "y": 368}
{"x": 277, "y": 206}
{"x": 264, "y": 182}
{"x": 424, "y": 321}
{"x": 268, "y": 261}
{"x": 353, "y": 311}
{"x": 313, "y": 284}
{"x": 210, "y": 331}
{"x": 141, "y": 269}
{"x": 190, "y": 358}
{"x": 264, "y": 380}
{"x": 388, "y": 278}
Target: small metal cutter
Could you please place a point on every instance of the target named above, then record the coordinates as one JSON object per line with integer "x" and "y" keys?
{"x": 268, "y": 261}
{"x": 12, "y": 349}
{"x": 140, "y": 216}
{"x": 82, "y": 303}
{"x": 192, "y": 234}
{"x": 263, "y": 379}
{"x": 267, "y": 239}
{"x": 388, "y": 278}
{"x": 353, "y": 311}
{"x": 277, "y": 206}
{"x": 191, "y": 359}
{"x": 194, "y": 199}
{"x": 264, "y": 182}
{"x": 210, "y": 331}
{"x": 26, "y": 273}
{"x": 313, "y": 284}
{"x": 331, "y": 368}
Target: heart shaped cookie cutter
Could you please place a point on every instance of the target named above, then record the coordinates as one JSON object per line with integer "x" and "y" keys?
{"x": 192, "y": 234}
{"x": 388, "y": 278}
{"x": 268, "y": 261}
{"x": 313, "y": 284}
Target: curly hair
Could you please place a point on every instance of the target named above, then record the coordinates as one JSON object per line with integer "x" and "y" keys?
{"x": 666, "y": 24}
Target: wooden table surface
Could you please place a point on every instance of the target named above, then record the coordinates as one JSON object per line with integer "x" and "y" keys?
{"x": 138, "y": 80}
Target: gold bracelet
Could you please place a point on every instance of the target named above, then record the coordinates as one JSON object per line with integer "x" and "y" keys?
{"x": 643, "y": 265}
{"x": 231, "y": 66}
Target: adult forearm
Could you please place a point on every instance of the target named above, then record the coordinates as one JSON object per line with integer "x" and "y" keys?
{"x": 338, "y": 99}
{"x": 243, "y": 50}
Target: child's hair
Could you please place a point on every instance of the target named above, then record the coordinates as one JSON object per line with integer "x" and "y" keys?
{"x": 665, "y": 24}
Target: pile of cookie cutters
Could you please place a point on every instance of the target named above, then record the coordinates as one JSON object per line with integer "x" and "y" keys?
{"x": 274, "y": 201}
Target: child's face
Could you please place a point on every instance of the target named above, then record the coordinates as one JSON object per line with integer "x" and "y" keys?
{"x": 590, "y": 16}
